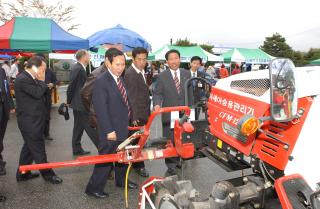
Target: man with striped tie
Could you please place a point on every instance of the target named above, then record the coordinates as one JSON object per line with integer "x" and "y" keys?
{"x": 111, "y": 105}
{"x": 170, "y": 92}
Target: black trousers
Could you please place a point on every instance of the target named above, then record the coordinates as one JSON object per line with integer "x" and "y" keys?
{"x": 3, "y": 127}
{"x": 47, "y": 123}
{"x": 33, "y": 149}
{"x": 101, "y": 172}
{"x": 81, "y": 123}
{"x": 167, "y": 132}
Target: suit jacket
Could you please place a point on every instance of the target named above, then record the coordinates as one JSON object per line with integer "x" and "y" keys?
{"x": 50, "y": 77}
{"x": 111, "y": 109}
{"x": 86, "y": 91}
{"x": 138, "y": 92}
{"x": 6, "y": 101}
{"x": 86, "y": 94}
{"x": 166, "y": 94}
{"x": 78, "y": 77}
{"x": 30, "y": 103}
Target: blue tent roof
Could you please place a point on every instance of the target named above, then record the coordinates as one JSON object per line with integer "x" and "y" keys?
{"x": 119, "y": 35}
{"x": 6, "y": 56}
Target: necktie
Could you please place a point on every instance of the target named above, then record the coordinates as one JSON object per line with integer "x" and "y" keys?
{"x": 124, "y": 95}
{"x": 194, "y": 81}
{"x": 176, "y": 81}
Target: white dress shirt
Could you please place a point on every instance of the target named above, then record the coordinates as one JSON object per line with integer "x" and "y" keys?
{"x": 173, "y": 73}
{"x": 14, "y": 71}
{"x": 139, "y": 71}
{"x": 113, "y": 76}
{"x": 194, "y": 74}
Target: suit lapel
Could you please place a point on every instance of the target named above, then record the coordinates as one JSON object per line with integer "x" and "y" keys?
{"x": 139, "y": 77}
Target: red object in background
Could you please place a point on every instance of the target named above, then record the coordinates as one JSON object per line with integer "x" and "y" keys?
{"x": 18, "y": 54}
{"x": 7, "y": 30}
{"x": 136, "y": 154}
{"x": 235, "y": 71}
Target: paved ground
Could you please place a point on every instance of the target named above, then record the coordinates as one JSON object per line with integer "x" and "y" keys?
{"x": 37, "y": 193}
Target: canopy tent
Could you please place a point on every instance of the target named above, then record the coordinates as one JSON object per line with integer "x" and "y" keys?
{"x": 186, "y": 53}
{"x": 315, "y": 62}
{"x": 253, "y": 56}
{"x": 123, "y": 38}
{"x": 38, "y": 34}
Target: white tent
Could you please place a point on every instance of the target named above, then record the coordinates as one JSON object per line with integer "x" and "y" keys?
{"x": 186, "y": 53}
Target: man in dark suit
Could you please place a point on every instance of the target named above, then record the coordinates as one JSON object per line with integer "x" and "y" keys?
{"x": 51, "y": 81}
{"x": 170, "y": 92}
{"x": 30, "y": 91}
{"x": 197, "y": 86}
{"x": 110, "y": 102}
{"x": 6, "y": 106}
{"x": 78, "y": 77}
{"x": 139, "y": 96}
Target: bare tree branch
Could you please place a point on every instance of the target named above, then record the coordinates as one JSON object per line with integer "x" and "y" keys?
{"x": 37, "y": 8}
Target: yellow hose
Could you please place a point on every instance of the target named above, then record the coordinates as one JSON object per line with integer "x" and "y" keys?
{"x": 126, "y": 185}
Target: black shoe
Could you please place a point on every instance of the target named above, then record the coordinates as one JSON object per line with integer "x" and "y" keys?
{"x": 2, "y": 171}
{"x": 26, "y": 177}
{"x": 172, "y": 171}
{"x": 97, "y": 194}
{"x": 53, "y": 179}
{"x": 142, "y": 172}
{"x": 131, "y": 185}
{"x": 49, "y": 138}
{"x": 82, "y": 152}
{"x": 2, "y": 198}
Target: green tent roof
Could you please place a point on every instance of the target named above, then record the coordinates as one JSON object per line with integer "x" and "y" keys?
{"x": 186, "y": 52}
{"x": 247, "y": 55}
{"x": 315, "y": 62}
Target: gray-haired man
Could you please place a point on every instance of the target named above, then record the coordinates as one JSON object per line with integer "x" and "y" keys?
{"x": 78, "y": 77}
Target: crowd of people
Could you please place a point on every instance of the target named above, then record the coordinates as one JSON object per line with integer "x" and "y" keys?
{"x": 104, "y": 103}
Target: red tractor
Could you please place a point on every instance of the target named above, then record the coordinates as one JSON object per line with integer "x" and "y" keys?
{"x": 252, "y": 121}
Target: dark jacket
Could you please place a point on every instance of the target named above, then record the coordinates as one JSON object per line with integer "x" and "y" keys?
{"x": 30, "y": 103}
{"x": 86, "y": 94}
{"x": 138, "y": 92}
{"x": 198, "y": 87}
{"x": 166, "y": 94}
{"x": 6, "y": 101}
{"x": 78, "y": 77}
{"x": 111, "y": 110}
{"x": 50, "y": 77}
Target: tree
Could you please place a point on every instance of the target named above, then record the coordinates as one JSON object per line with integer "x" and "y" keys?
{"x": 184, "y": 42}
{"x": 276, "y": 46}
{"x": 312, "y": 54}
{"x": 207, "y": 47}
{"x": 37, "y": 8}
{"x": 299, "y": 58}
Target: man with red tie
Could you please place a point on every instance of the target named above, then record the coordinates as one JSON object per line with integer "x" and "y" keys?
{"x": 111, "y": 105}
{"x": 170, "y": 92}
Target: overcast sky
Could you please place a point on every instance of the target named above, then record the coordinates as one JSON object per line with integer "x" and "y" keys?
{"x": 234, "y": 23}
